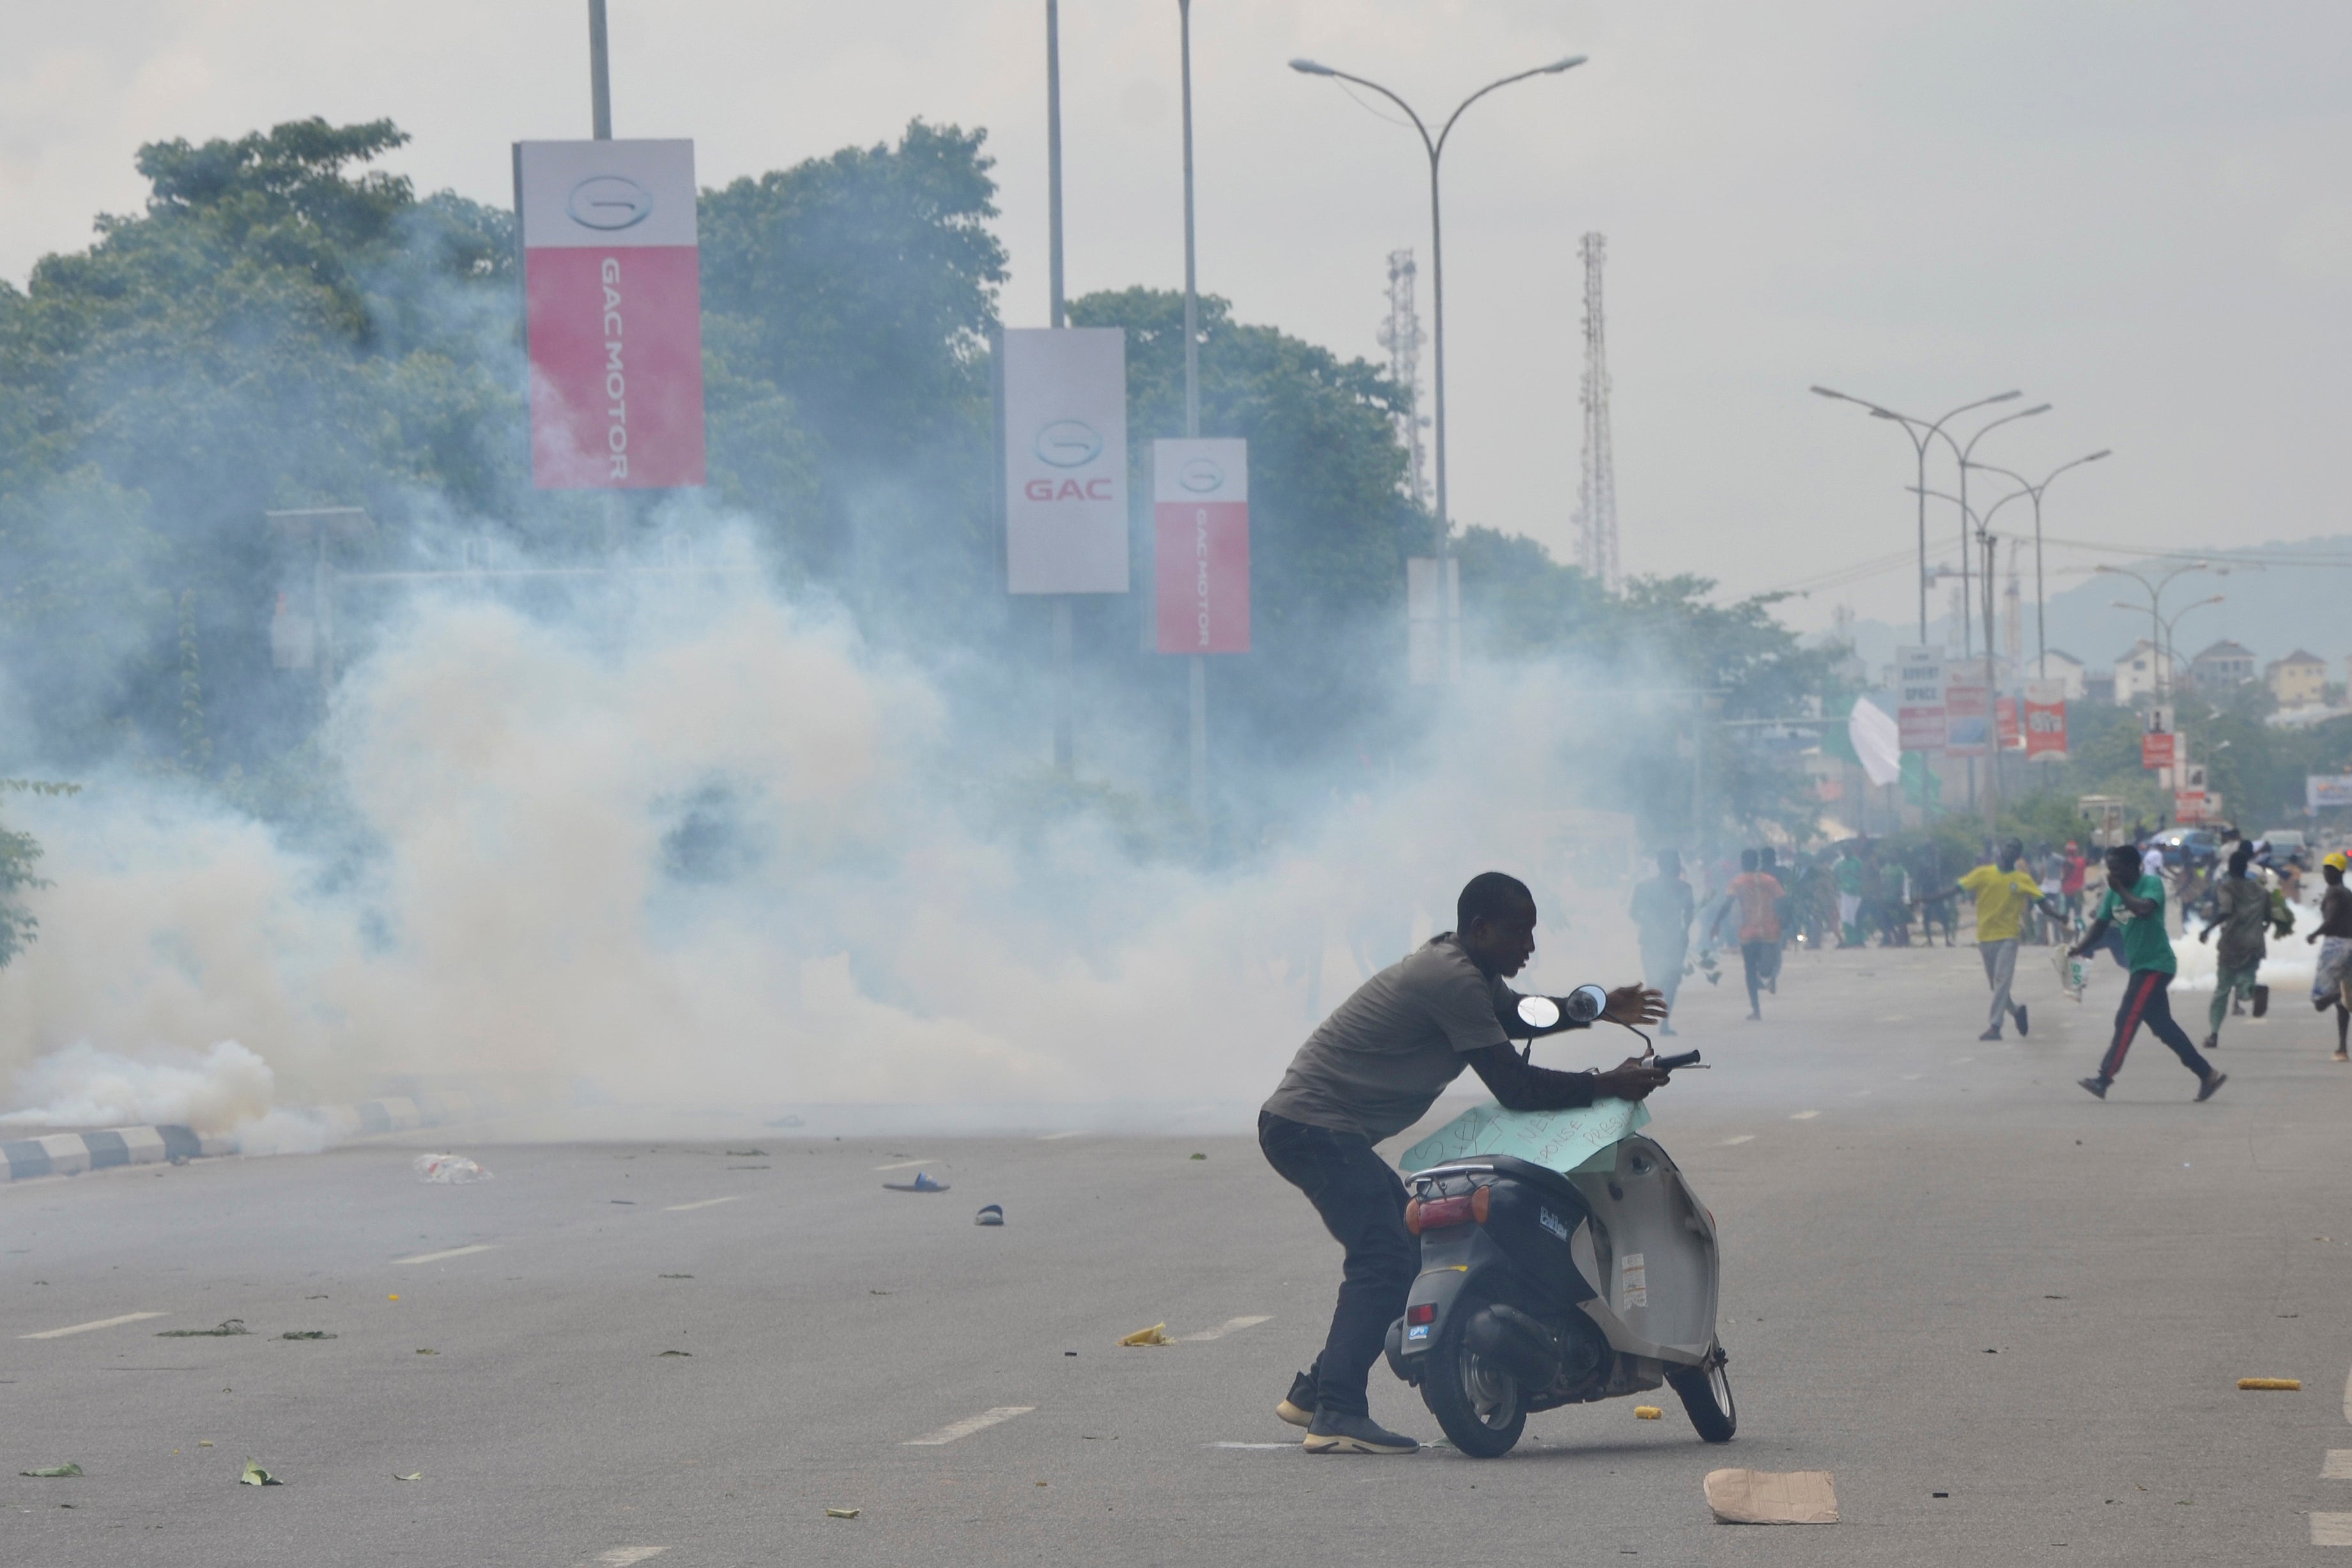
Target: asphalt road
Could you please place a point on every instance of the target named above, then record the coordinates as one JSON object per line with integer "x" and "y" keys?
{"x": 1947, "y": 1270}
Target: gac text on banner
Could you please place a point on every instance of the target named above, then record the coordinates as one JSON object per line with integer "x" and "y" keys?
{"x": 1199, "y": 493}
{"x": 613, "y": 310}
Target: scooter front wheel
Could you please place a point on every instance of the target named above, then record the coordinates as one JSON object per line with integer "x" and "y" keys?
{"x": 1706, "y": 1395}
{"x": 1480, "y": 1404}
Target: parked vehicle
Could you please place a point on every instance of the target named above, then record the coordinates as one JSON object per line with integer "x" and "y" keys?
{"x": 1539, "y": 1290}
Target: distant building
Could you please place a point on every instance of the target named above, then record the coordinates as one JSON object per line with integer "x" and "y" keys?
{"x": 2137, "y": 672}
{"x": 2298, "y": 681}
{"x": 2224, "y": 667}
{"x": 2065, "y": 668}
{"x": 2099, "y": 686}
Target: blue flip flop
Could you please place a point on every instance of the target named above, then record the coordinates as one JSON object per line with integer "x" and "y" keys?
{"x": 922, "y": 1183}
{"x": 989, "y": 1214}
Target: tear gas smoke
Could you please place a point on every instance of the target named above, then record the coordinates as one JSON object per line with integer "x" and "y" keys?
{"x": 707, "y": 852}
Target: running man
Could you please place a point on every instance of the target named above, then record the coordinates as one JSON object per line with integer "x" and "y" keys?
{"x": 2335, "y": 939}
{"x": 2241, "y": 912}
{"x": 2002, "y": 893}
{"x": 1756, "y": 895}
{"x": 2135, "y": 905}
{"x": 1847, "y": 869}
{"x": 1661, "y": 914}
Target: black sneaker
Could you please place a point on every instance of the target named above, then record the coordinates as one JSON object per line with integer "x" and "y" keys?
{"x": 1297, "y": 1406}
{"x": 2020, "y": 1020}
{"x": 2097, "y": 1086}
{"x": 1990, "y": 1035}
{"x": 2213, "y": 1081}
{"x": 1347, "y": 1432}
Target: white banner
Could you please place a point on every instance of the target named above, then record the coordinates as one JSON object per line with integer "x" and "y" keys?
{"x": 2323, "y": 791}
{"x": 1065, "y": 460}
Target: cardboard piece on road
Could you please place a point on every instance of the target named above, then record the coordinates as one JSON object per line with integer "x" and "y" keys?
{"x": 2278, "y": 1385}
{"x": 1156, "y": 1334}
{"x": 1556, "y": 1140}
{"x": 1772, "y": 1497}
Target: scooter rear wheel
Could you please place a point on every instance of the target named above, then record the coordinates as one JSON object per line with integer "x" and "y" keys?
{"x": 1481, "y": 1405}
{"x": 1706, "y": 1395}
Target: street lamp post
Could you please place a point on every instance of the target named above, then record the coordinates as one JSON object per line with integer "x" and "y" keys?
{"x": 1963, "y": 452}
{"x": 2155, "y": 591}
{"x": 1435, "y": 147}
{"x": 1200, "y": 670}
{"x": 2041, "y": 633}
{"x": 1921, "y": 432}
{"x": 2169, "y": 650}
{"x": 1986, "y": 540}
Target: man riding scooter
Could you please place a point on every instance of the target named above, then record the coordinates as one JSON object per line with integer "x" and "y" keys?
{"x": 1371, "y": 1069}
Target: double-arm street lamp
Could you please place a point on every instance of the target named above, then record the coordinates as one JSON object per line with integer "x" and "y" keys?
{"x": 2155, "y": 589}
{"x": 1965, "y": 454}
{"x": 2169, "y": 651}
{"x": 1922, "y": 432}
{"x": 2041, "y": 635}
{"x": 1435, "y": 147}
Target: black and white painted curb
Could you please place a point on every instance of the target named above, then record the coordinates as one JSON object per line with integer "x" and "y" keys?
{"x": 70, "y": 1153}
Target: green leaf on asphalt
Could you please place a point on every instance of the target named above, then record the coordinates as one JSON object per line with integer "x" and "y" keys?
{"x": 67, "y": 1468}
{"x": 417, "y": 1477}
{"x": 254, "y": 1476}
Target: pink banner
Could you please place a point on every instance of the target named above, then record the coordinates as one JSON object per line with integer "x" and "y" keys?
{"x": 1201, "y": 516}
{"x": 2045, "y": 719}
{"x": 615, "y": 367}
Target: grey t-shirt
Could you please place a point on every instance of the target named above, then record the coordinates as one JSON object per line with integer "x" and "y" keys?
{"x": 1381, "y": 1059}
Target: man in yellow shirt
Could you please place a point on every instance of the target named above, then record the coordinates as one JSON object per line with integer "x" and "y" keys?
{"x": 2002, "y": 893}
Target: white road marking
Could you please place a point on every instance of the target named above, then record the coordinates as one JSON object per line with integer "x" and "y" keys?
{"x": 453, "y": 1252}
{"x": 2338, "y": 1467}
{"x": 622, "y": 1556}
{"x": 2331, "y": 1530}
{"x": 903, "y": 1165}
{"x": 1249, "y": 1445}
{"x": 1231, "y": 1325}
{"x": 1956, "y": 1061}
{"x": 1913, "y": 1077}
{"x": 85, "y": 1328}
{"x": 699, "y": 1203}
{"x": 1735, "y": 1142}
{"x": 1052, "y": 1137}
{"x": 967, "y": 1426}
{"x": 1804, "y": 1116}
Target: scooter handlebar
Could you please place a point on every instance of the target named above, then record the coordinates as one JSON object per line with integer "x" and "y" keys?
{"x": 1668, "y": 1063}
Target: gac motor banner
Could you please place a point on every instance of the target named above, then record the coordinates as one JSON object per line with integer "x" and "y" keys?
{"x": 612, "y": 311}
{"x": 1200, "y": 506}
{"x": 1065, "y": 409}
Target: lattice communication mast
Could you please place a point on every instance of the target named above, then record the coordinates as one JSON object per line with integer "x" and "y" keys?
{"x": 1596, "y": 501}
{"x": 1400, "y": 334}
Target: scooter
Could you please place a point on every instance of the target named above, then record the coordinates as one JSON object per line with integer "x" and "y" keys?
{"x": 1539, "y": 1289}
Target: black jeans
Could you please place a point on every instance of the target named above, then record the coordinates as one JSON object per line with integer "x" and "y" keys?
{"x": 1362, "y": 1206}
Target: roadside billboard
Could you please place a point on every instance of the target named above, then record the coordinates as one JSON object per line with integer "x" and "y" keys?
{"x": 1199, "y": 507}
{"x": 1967, "y": 710}
{"x": 2323, "y": 791}
{"x": 613, "y": 313}
{"x": 1065, "y": 410}
{"x": 2045, "y": 719}
{"x": 1919, "y": 698}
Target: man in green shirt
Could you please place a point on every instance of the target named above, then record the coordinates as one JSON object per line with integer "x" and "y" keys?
{"x": 1847, "y": 869}
{"x": 2135, "y": 902}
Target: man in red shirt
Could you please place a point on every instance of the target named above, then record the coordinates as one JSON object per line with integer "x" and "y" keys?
{"x": 1756, "y": 896}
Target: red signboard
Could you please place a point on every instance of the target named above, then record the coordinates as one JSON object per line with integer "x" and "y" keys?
{"x": 1200, "y": 493}
{"x": 2004, "y": 717}
{"x": 2156, "y": 750}
{"x": 613, "y": 312}
{"x": 2045, "y": 719}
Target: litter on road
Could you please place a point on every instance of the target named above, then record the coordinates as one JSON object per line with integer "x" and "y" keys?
{"x": 2281, "y": 1385}
{"x": 989, "y": 1214}
{"x": 228, "y": 1329}
{"x": 1156, "y": 1334}
{"x": 447, "y": 1170}
{"x": 1772, "y": 1497}
{"x": 418, "y": 1476}
{"x": 254, "y": 1476}
{"x": 841, "y": 1513}
{"x": 54, "y": 1471}
{"x": 305, "y": 1334}
{"x": 1648, "y": 1413}
{"x": 922, "y": 1183}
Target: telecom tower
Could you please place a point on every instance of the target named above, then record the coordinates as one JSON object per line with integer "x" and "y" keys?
{"x": 1400, "y": 334}
{"x": 1596, "y": 501}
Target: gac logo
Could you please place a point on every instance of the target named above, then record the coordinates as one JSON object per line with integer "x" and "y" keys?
{"x": 1068, "y": 490}
{"x": 1201, "y": 476}
{"x": 1068, "y": 444}
{"x": 610, "y": 202}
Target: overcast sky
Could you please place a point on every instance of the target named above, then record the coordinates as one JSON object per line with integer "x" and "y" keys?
{"x": 2141, "y": 211}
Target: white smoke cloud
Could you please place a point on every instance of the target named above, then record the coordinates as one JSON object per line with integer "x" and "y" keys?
{"x": 701, "y": 851}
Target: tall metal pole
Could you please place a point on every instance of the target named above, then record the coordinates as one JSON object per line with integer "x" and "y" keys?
{"x": 1992, "y": 698}
{"x": 1065, "y": 746}
{"x": 1435, "y": 147}
{"x": 600, "y": 73}
{"x": 2041, "y": 631}
{"x": 1200, "y": 670}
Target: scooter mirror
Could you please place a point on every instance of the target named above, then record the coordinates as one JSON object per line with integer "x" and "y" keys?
{"x": 1587, "y": 1003}
{"x": 1538, "y": 1012}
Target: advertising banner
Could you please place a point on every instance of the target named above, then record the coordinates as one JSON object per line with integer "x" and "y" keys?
{"x": 2157, "y": 742}
{"x": 1199, "y": 507}
{"x": 2323, "y": 791}
{"x": 1919, "y": 698}
{"x": 1967, "y": 710}
{"x": 613, "y": 313}
{"x": 2006, "y": 724}
{"x": 1065, "y": 410}
{"x": 2045, "y": 719}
